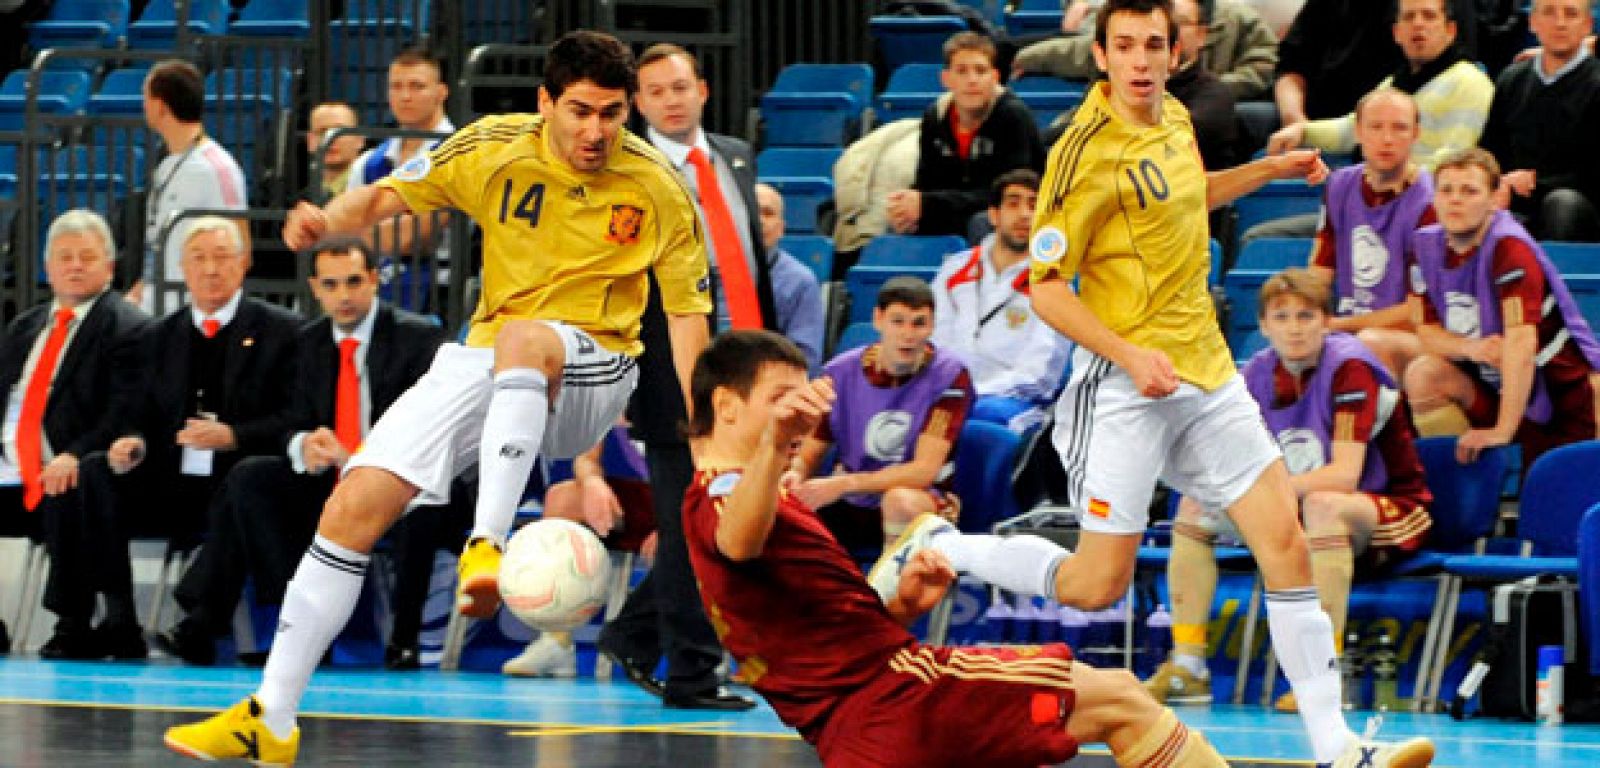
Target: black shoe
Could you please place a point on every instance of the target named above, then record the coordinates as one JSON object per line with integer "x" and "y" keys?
{"x": 121, "y": 642}
{"x": 642, "y": 676}
{"x": 256, "y": 659}
{"x": 402, "y": 657}
{"x": 718, "y": 698}
{"x": 5, "y": 640}
{"x": 185, "y": 642}
{"x": 70, "y": 644}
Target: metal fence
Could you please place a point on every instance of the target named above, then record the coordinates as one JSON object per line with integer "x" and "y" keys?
{"x": 499, "y": 78}
{"x": 357, "y": 47}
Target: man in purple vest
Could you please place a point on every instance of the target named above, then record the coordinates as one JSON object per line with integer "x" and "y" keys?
{"x": 901, "y": 405}
{"x": 1347, "y": 439}
{"x": 1504, "y": 341}
{"x": 1369, "y": 213}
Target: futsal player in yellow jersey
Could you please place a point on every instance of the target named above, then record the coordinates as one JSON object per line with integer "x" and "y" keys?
{"x": 576, "y": 215}
{"x": 1154, "y": 393}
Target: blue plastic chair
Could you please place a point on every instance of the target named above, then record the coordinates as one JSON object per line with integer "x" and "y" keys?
{"x": 81, "y": 24}
{"x": 906, "y": 39}
{"x": 910, "y": 90}
{"x": 803, "y": 175}
{"x": 1242, "y": 287}
{"x": 816, "y": 104}
{"x": 1034, "y": 17}
{"x": 1589, "y": 583}
{"x": 985, "y": 459}
{"x": 1047, "y": 97}
{"x": 121, "y": 93}
{"x": 1585, "y": 290}
{"x": 855, "y": 335}
{"x": 1276, "y": 200}
{"x": 1274, "y": 254}
{"x": 1573, "y": 258}
{"x": 814, "y": 251}
{"x": 911, "y": 250}
{"x": 157, "y": 27}
{"x": 61, "y": 92}
{"x": 273, "y": 18}
{"x": 863, "y": 281}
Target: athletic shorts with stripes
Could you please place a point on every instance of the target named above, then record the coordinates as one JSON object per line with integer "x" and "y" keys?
{"x": 957, "y": 707}
{"x": 1403, "y": 525}
{"x": 1115, "y": 443}
{"x": 431, "y": 432}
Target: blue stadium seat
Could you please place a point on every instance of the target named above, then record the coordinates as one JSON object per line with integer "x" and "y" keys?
{"x": 121, "y": 92}
{"x": 157, "y": 27}
{"x": 1216, "y": 262}
{"x": 241, "y": 104}
{"x": 509, "y": 23}
{"x": 362, "y": 44}
{"x": 910, "y": 90}
{"x": 273, "y": 18}
{"x": 804, "y": 176}
{"x": 863, "y": 281}
{"x": 1047, "y": 97}
{"x": 911, "y": 250}
{"x": 855, "y": 335}
{"x": 1034, "y": 17}
{"x": 1276, "y": 200}
{"x": 1242, "y": 287}
{"x": 906, "y": 39}
{"x": 1589, "y": 583}
{"x": 61, "y": 92}
{"x": 81, "y": 24}
{"x": 1571, "y": 258}
{"x": 985, "y": 458}
{"x": 1585, "y": 290}
{"x": 1274, "y": 254}
{"x": 816, "y": 104}
{"x": 814, "y": 251}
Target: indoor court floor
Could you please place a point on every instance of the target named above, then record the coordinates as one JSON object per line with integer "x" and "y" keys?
{"x": 107, "y": 714}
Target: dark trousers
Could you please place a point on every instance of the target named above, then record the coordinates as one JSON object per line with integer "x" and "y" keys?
{"x": 87, "y": 532}
{"x": 664, "y": 616}
{"x": 1565, "y": 214}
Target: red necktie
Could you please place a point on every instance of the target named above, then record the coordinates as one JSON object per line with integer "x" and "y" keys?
{"x": 347, "y": 402}
{"x": 744, "y": 309}
{"x": 30, "y": 423}
{"x": 209, "y": 327}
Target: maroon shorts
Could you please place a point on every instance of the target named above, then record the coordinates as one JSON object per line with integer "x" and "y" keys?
{"x": 1403, "y": 525}
{"x": 1573, "y": 405}
{"x": 994, "y": 707}
{"x": 859, "y": 528}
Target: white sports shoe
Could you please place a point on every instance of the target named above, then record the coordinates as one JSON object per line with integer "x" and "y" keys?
{"x": 544, "y": 657}
{"x": 885, "y": 574}
{"x": 1364, "y": 752}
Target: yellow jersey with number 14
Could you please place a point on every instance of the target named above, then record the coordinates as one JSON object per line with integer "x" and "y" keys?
{"x": 1123, "y": 208}
{"x": 562, "y": 245}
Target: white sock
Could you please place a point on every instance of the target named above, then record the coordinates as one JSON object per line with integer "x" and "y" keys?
{"x": 1302, "y": 639}
{"x": 1192, "y": 664}
{"x": 1021, "y": 564}
{"x": 316, "y": 606}
{"x": 513, "y": 430}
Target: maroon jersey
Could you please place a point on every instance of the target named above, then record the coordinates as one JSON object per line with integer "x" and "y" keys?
{"x": 800, "y": 619}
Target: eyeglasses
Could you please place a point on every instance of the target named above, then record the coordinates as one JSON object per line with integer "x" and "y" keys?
{"x": 350, "y": 281}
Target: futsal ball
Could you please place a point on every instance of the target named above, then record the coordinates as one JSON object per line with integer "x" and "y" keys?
{"x": 554, "y": 575}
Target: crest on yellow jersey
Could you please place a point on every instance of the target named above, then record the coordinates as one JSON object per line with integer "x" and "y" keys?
{"x": 626, "y": 221}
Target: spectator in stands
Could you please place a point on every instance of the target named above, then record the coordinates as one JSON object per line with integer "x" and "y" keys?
{"x": 1335, "y": 51}
{"x": 971, "y": 135}
{"x": 215, "y": 387}
{"x": 1347, "y": 439}
{"x": 794, "y": 287}
{"x": 342, "y": 151}
{"x": 982, "y": 315}
{"x": 663, "y": 617}
{"x": 197, "y": 173}
{"x": 1508, "y": 356}
{"x": 609, "y": 492}
{"x": 672, "y": 98}
{"x": 1370, "y": 211}
{"x": 1451, "y": 92}
{"x": 902, "y": 403}
{"x": 1230, "y": 40}
{"x": 69, "y": 369}
{"x": 1543, "y": 124}
{"x": 353, "y": 363}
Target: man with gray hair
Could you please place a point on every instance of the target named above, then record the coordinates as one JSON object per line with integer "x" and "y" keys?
{"x": 215, "y": 387}
{"x": 67, "y": 367}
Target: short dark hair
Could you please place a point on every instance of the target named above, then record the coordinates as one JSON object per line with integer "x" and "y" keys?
{"x": 419, "y": 54}
{"x": 342, "y": 244}
{"x": 179, "y": 85}
{"x": 661, "y": 51}
{"x": 1016, "y": 177}
{"x": 586, "y": 55}
{"x": 1137, "y": 7}
{"x": 970, "y": 41}
{"x": 734, "y": 360}
{"x": 905, "y": 290}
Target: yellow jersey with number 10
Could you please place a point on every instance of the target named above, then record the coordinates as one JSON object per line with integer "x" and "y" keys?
{"x": 562, "y": 245}
{"x": 1123, "y": 208}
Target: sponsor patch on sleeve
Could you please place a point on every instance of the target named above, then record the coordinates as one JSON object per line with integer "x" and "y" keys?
{"x": 1049, "y": 245}
{"x": 1511, "y": 276}
{"x": 415, "y": 169}
{"x": 723, "y": 485}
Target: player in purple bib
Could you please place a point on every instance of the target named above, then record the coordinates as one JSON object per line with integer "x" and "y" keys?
{"x": 1505, "y": 341}
{"x": 1346, "y": 437}
{"x": 1369, "y": 213}
{"x": 901, "y": 405}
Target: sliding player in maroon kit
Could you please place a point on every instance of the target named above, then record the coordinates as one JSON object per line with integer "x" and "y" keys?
{"x": 835, "y": 661}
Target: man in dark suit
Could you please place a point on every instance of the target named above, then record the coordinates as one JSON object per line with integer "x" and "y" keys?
{"x": 663, "y": 616}
{"x": 216, "y": 382}
{"x": 70, "y": 369}
{"x": 353, "y": 363}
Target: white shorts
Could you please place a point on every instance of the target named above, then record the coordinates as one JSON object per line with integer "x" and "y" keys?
{"x": 431, "y": 432}
{"x": 1115, "y": 443}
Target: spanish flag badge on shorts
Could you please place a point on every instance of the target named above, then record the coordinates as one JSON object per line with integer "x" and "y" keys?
{"x": 1099, "y": 508}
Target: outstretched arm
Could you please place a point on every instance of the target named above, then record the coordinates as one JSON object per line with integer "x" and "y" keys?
{"x": 747, "y": 519}
{"x": 1226, "y": 186}
{"x": 351, "y": 213}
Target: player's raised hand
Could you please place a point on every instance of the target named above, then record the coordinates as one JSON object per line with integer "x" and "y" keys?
{"x": 799, "y": 411}
{"x": 924, "y": 581}
{"x": 1152, "y": 372}
{"x": 305, "y": 226}
{"x": 1302, "y": 164}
